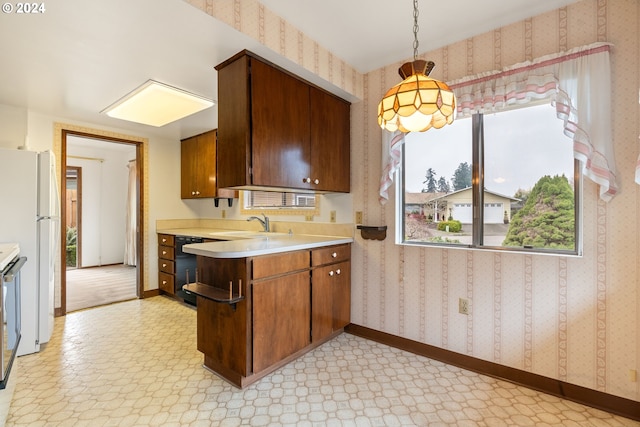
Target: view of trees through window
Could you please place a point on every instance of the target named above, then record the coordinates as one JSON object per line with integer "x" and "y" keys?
{"x": 528, "y": 189}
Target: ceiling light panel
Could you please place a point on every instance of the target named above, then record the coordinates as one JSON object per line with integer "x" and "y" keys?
{"x": 157, "y": 104}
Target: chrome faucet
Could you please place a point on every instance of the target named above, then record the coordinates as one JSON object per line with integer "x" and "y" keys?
{"x": 265, "y": 222}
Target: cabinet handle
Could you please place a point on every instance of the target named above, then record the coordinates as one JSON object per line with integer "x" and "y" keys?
{"x": 164, "y": 240}
{"x": 193, "y": 193}
{"x": 164, "y": 252}
{"x": 338, "y": 271}
{"x": 164, "y": 265}
{"x": 197, "y": 193}
{"x": 316, "y": 181}
{"x": 306, "y": 180}
{"x": 331, "y": 273}
{"x": 333, "y": 255}
{"x": 164, "y": 282}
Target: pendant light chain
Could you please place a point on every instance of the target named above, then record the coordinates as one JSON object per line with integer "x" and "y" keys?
{"x": 419, "y": 102}
{"x": 415, "y": 29}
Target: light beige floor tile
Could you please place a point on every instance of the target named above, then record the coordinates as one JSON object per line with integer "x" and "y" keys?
{"x": 135, "y": 364}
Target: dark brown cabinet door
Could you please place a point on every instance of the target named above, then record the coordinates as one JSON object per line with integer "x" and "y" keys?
{"x": 331, "y": 299}
{"x": 280, "y": 123}
{"x": 188, "y": 156}
{"x": 198, "y": 166}
{"x": 321, "y": 302}
{"x": 341, "y": 295}
{"x": 281, "y": 318}
{"x": 330, "y": 142}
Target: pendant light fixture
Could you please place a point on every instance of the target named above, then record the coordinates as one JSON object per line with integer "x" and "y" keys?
{"x": 419, "y": 102}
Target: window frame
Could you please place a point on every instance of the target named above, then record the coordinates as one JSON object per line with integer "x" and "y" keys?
{"x": 285, "y": 210}
{"x": 477, "y": 185}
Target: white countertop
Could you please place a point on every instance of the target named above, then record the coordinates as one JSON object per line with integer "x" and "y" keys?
{"x": 241, "y": 244}
{"x": 8, "y": 251}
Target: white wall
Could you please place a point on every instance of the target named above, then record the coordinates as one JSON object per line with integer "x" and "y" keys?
{"x": 13, "y": 126}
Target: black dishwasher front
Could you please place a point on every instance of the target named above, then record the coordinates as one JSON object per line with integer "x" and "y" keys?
{"x": 185, "y": 266}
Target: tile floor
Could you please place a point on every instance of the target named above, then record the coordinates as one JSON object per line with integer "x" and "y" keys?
{"x": 135, "y": 364}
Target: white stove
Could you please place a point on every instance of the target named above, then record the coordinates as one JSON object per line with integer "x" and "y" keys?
{"x": 8, "y": 251}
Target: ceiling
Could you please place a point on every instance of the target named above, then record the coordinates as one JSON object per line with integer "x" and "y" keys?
{"x": 80, "y": 56}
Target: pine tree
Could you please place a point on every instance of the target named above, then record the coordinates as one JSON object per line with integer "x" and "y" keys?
{"x": 430, "y": 181}
{"x": 462, "y": 177}
{"x": 443, "y": 185}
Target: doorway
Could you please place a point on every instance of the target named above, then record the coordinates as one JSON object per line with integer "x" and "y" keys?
{"x": 97, "y": 169}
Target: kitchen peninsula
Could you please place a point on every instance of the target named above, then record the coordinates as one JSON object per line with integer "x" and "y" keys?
{"x": 265, "y": 299}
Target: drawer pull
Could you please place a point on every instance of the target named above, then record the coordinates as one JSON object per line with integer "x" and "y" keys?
{"x": 333, "y": 255}
{"x": 331, "y": 273}
{"x": 164, "y": 282}
{"x": 164, "y": 252}
{"x": 164, "y": 265}
{"x": 338, "y": 271}
{"x": 316, "y": 181}
{"x": 164, "y": 240}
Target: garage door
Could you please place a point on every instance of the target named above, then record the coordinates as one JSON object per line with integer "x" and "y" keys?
{"x": 463, "y": 212}
{"x": 493, "y": 213}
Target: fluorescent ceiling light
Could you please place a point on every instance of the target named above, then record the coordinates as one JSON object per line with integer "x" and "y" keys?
{"x": 156, "y": 104}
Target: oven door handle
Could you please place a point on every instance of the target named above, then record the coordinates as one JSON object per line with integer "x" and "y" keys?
{"x": 15, "y": 269}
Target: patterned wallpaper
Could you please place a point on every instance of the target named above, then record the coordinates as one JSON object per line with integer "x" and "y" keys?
{"x": 570, "y": 318}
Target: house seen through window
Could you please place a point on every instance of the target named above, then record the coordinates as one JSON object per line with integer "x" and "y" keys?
{"x": 517, "y": 164}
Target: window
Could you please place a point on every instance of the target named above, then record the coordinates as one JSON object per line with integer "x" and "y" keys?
{"x": 523, "y": 163}
{"x": 274, "y": 203}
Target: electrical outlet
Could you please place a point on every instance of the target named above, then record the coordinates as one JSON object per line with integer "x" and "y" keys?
{"x": 332, "y": 216}
{"x": 224, "y": 213}
{"x": 463, "y": 306}
{"x": 358, "y": 217}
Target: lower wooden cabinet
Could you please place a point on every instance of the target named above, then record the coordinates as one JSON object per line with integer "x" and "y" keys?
{"x": 281, "y": 313}
{"x": 166, "y": 263}
{"x": 330, "y": 290}
{"x": 290, "y": 303}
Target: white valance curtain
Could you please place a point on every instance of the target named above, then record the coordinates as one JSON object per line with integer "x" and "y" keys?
{"x": 578, "y": 82}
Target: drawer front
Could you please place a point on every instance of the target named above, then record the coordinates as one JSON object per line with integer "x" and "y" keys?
{"x": 167, "y": 266}
{"x": 166, "y": 282}
{"x": 330, "y": 254}
{"x": 166, "y": 252}
{"x": 273, "y": 265}
{"x": 166, "y": 239}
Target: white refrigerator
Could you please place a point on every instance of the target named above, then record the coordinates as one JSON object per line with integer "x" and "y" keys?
{"x": 30, "y": 216}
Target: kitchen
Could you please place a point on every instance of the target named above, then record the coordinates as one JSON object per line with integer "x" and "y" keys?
{"x": 377, "y": 300}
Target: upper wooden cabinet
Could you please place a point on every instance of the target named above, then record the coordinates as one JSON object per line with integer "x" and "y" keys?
{"x": 277, "y": 130}
{"x": 198, "y": 168}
